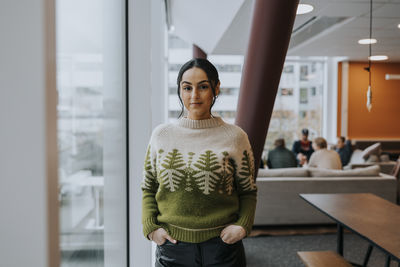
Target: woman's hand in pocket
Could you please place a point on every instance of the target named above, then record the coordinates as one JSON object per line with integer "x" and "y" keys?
{"x": 160, "y": 236}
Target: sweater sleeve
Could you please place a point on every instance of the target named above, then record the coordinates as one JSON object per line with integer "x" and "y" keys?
{"x": 149, "y": 189}
{"x": 245, "y": 183}
{"x": 313, "y": 161}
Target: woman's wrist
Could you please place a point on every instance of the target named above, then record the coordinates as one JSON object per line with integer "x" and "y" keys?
{"x": 150, "y": 236}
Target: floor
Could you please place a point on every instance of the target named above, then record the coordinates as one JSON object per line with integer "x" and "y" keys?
{"x": 269, "y": 251}
{"x": 274, "y": 251}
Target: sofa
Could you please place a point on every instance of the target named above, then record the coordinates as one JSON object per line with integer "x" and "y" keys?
{"x": 371, "y": 155}
{"x": 388, "y": 147}
{"x": 279, "y": 203}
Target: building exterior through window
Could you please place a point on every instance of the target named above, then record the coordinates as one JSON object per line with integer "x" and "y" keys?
{"x": 91, "y": 87}
{"x": 298, "y": 102}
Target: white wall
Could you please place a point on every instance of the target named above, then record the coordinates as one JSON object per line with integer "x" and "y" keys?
{"x": 28, "y": 132}
{"x": 329, "y": 116}
{"x": 146, "y": 108}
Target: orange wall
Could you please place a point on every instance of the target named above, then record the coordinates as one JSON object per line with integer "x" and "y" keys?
{"x": 383, "y": 122}
{"x": 339, "y": 100}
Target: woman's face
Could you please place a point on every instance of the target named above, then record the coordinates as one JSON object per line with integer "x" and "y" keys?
{"x": 196, "y": 93}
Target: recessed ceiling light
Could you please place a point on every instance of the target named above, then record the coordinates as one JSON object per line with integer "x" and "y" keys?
{"x": 367, "y": 41}
{"x": 378, "y": 57}
{"x": 398, "y": 26}
{"x": 304, "y": 8}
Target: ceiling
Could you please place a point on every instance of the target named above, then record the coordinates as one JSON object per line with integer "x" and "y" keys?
{"x": 331, "y": 29}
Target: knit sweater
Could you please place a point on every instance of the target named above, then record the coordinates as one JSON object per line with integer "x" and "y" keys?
{"x": 326, "y": 159}
{"x": 198, "y": 179}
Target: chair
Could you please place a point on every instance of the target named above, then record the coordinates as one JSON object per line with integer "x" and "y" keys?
{"x": 396, "y": 173}
{"x": 396, "y": 169}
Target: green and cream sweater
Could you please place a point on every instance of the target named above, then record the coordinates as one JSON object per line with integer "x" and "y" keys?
{"x": 198, "y": 179}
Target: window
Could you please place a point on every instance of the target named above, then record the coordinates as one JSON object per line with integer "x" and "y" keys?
{"x": 92, "y": 132}
{"x": 229, "y": 69}
{"x": 303, "y": 95}
{"x": 288, "y": 68}
{"x": 303, "y": 109}
{"x": 228, "y": 91}
{"x": 304, "y": 73}
{"x": 313, "y": 91}
{"x": 286, "y": 91}
{"x": 298, "y": 103}
{"x": 174, "y": 67}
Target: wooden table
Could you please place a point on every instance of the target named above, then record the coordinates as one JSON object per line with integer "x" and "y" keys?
{"x": 367, "y": 215}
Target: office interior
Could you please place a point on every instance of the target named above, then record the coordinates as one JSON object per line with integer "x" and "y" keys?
{"x": 84, "y": 83}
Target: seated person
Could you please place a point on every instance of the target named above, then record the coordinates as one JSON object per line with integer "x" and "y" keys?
{"x": 303, "y": 149}
{"x": 281, "y": 157}
{"x": 324, "y": 158}
{"x": 301, "y": 160}
{"x": 262, "y": 164}
{"x": 343, "y": 148}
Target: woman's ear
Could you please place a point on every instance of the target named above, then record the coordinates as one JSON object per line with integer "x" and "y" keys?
{"x": 217, "y": 89}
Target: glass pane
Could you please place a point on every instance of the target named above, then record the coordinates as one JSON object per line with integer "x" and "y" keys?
{"x": 229, "y": 69}
{"x": 298, "y": 103}
{"x": 92, "y": 132}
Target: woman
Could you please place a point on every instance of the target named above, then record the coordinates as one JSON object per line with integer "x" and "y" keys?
{"x": 199, "y": 195}
{"x": 324, "y": 158}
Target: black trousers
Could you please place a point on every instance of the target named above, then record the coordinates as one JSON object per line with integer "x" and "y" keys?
{"x": 213, "y": 252}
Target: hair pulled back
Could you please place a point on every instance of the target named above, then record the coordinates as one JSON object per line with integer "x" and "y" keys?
{"x": 208, "y": 68}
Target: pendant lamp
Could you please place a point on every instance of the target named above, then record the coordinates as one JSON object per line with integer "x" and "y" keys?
{"x": 369, "y": 91}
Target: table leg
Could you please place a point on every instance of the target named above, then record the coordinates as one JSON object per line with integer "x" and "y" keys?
{"x": 366, "y": 259}
{"x": 340, "y": 239}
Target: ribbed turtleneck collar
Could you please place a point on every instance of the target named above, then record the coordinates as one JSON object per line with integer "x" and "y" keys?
{"x": 200, "y": 124}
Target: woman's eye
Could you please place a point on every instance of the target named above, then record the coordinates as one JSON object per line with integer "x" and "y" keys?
{"x": 204, "y": 87}
{"x": 187, "y": 88}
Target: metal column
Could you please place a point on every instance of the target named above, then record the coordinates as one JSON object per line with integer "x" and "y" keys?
{"x": 269, "y": 40}
{"x": 198, "y": 52}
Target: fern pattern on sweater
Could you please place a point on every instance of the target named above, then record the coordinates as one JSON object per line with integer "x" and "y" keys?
{"x": 247, "y": 171}
{"x": 226, "y": 175}
{"x": 198, "y": 175}
{"x": 207, "y": 173}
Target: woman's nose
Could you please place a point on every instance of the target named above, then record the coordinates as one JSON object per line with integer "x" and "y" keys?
{"x": 195, "y": 92}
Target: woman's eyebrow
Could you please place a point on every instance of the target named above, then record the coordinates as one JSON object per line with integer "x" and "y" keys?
{"x": 186, "y": 82}
{"x": 203, "y": 81}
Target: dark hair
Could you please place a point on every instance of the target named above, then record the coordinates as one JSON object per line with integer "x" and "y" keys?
{"x": 342, "y": 138}
{"x": 208, "y": 68}
{"x": 304, "y": 131}
{"x": 279, "y": 142}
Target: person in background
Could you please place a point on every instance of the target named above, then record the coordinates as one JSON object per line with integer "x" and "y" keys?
{"x": 262, "y": 164}
{"x": 324, "y": 158}
{"x": 281, "y": 157}
{"x": 302, "y": 148}
{"x": 343, "y": 148}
